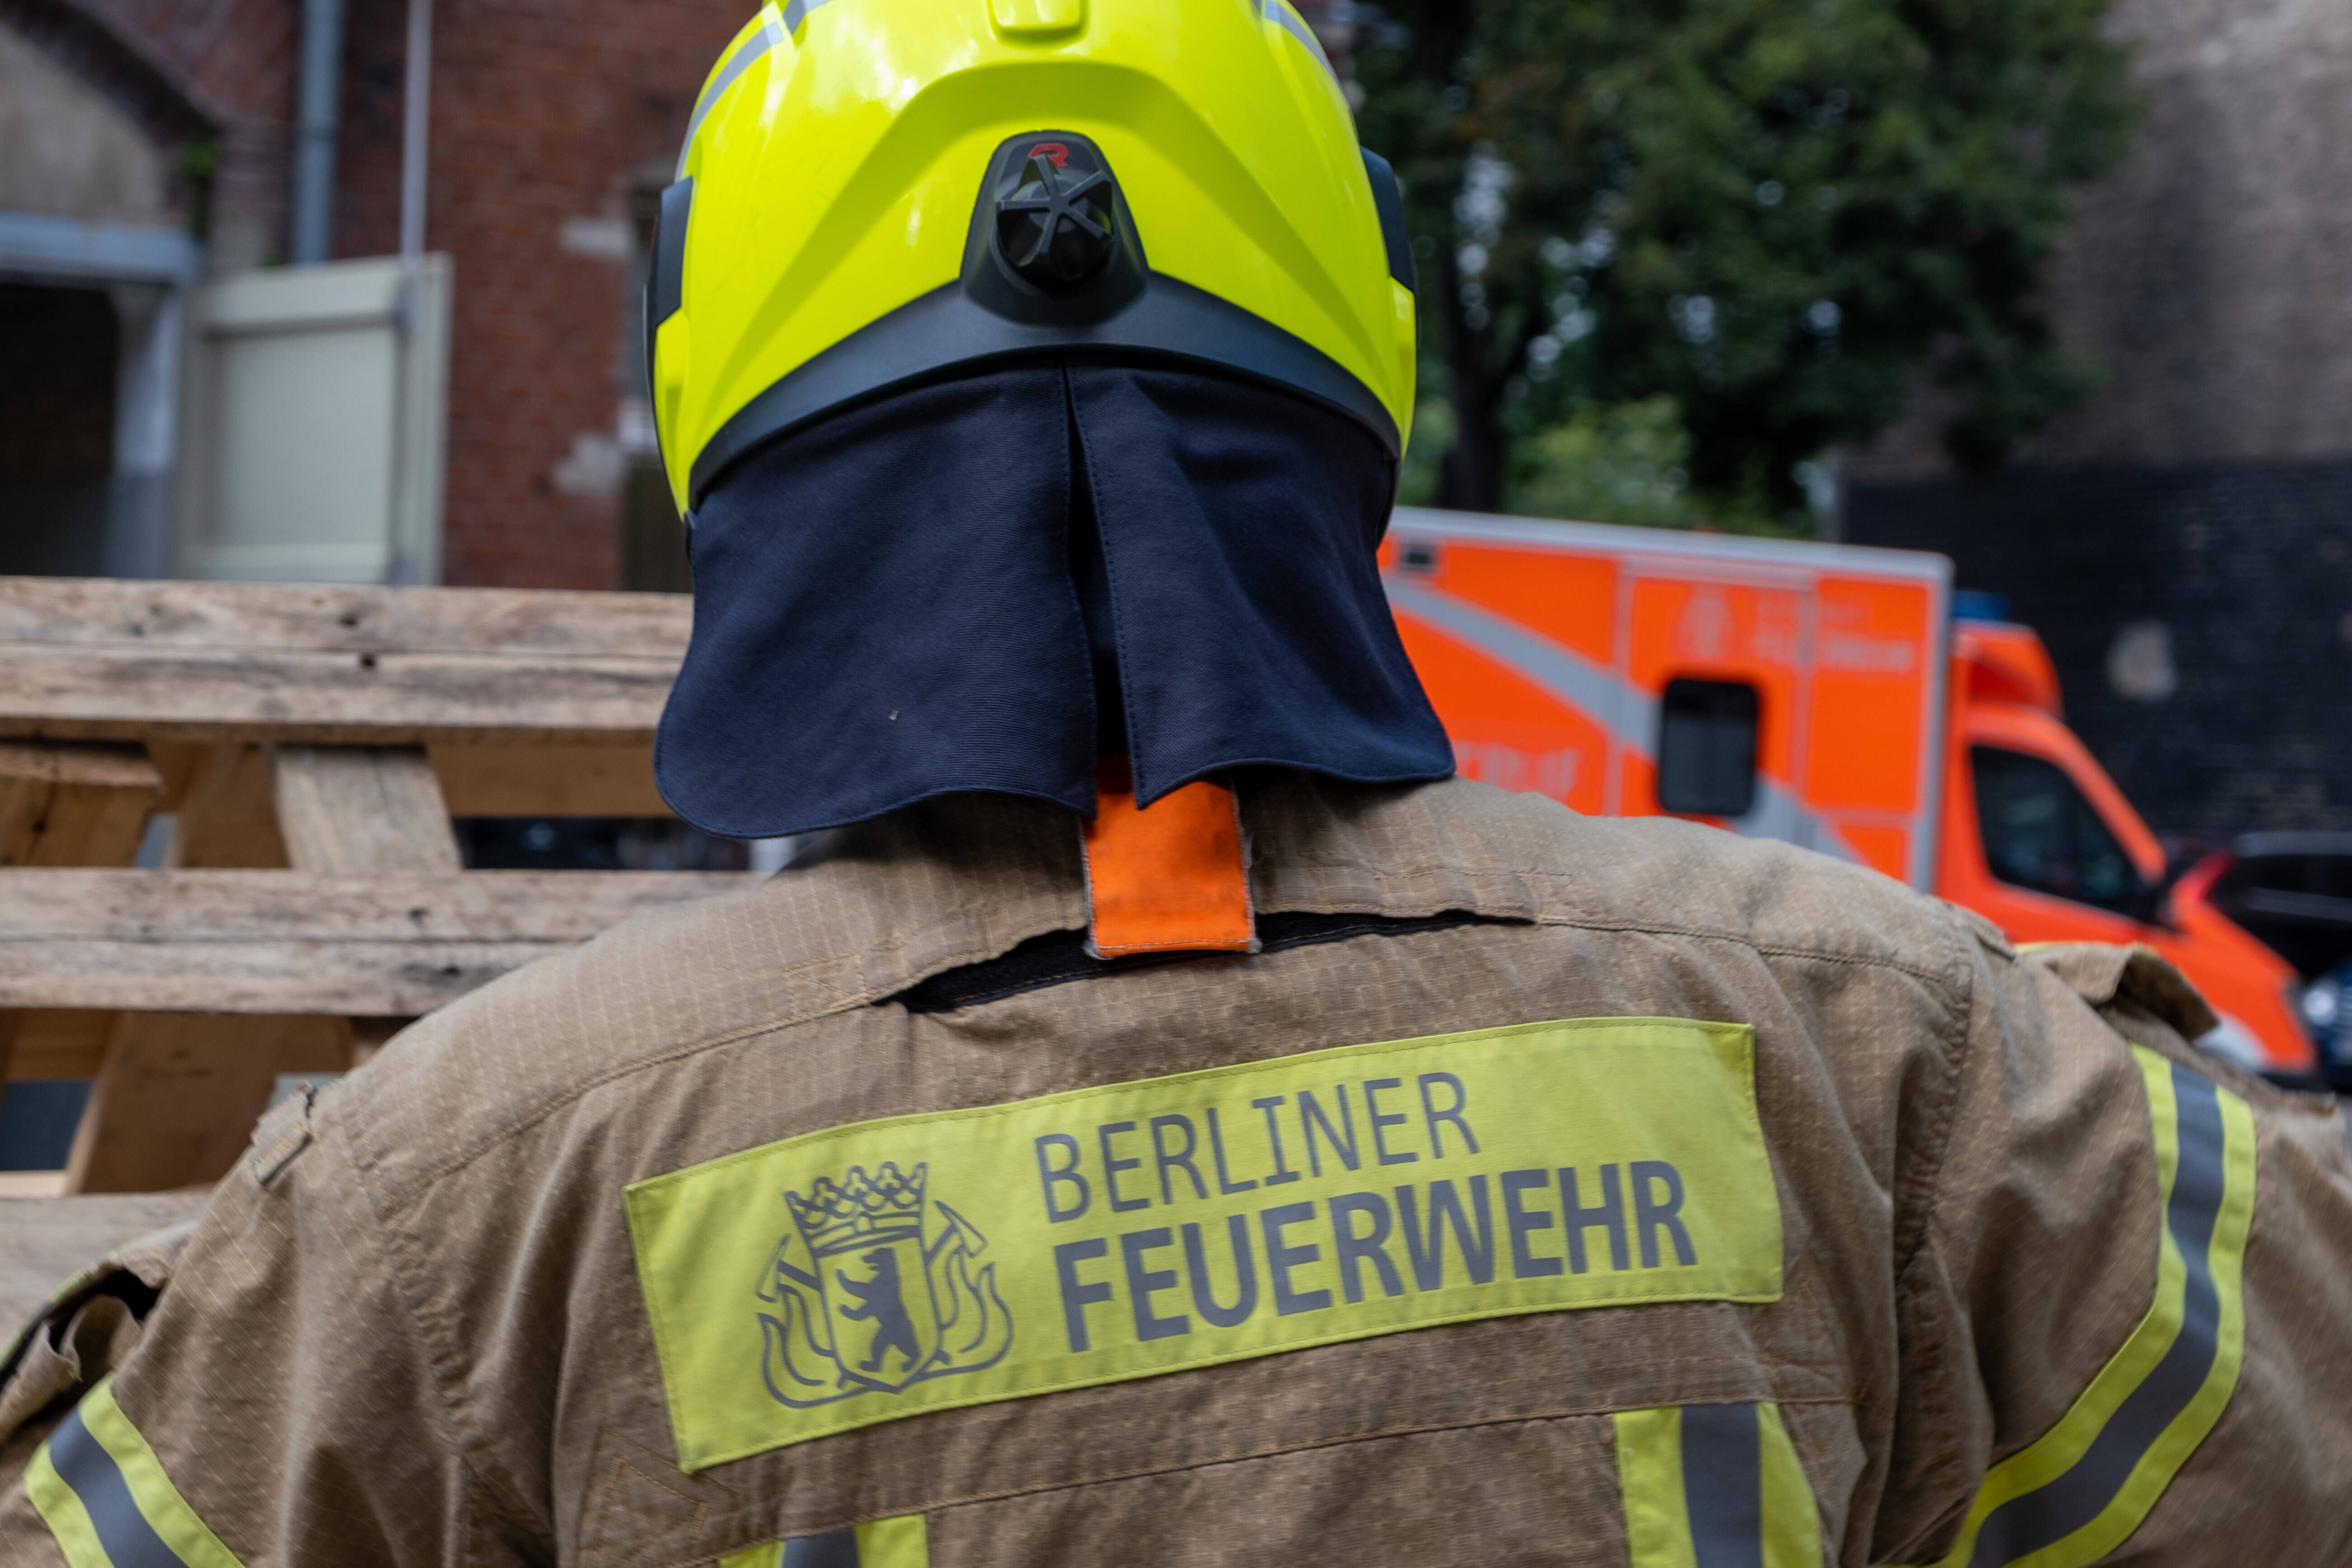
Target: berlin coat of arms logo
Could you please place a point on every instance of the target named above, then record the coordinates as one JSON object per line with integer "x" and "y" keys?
{"x": 874, "y": 1289}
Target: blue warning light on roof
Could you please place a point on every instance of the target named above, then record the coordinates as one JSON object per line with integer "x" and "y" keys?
{"x": 1980, "y": 605}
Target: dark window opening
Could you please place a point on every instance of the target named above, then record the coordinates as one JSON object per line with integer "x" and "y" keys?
{"x": 37, "y": 1120}
{"x": 1706, "y": 747}
{"x": 2294, "y": 890}
{"x": 2040, "y": 832}
{"x": 59, "y": 353}
{"x": 594, "y": 843}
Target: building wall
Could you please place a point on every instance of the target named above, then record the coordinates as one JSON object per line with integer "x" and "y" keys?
{"x": 232, "y": 62}
{"x": 2184, "y": 540}
{"x": 67, "y": 149}
{"x": 548, "y": 117}
{"x": 2199, "y": 614}
{"x": 551, "y": 120}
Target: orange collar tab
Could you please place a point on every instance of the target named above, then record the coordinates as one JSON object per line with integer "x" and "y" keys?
{"x": 1173, "y": 878}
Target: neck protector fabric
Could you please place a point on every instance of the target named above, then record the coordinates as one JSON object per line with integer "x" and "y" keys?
{"x": 919, "y": 596}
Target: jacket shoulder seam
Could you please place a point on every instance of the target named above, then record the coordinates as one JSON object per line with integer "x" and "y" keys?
{"x": 1920, "y": 1194}
{"x": 473, "y": 1451}
{"x": 490, "y": 1140}
{"x": 452, "y": 1163}
{"x": 1942, "y": 981}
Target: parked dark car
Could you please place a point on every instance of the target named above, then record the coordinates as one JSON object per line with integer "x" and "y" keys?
{"x": 2293, "y": 891}
{"x": 2327, "y": 1011}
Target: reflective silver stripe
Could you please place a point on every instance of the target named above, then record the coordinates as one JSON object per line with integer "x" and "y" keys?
{"x": 834, "y": 1548}
{"x": 2048, "y": 1514}
{"x": 1625, "y": 710}
{"x": 1291, "y": 22}
{"x": 769, "y": 36}
{"x": 1723, "y": 1484}
{"x": 82, "y": 1464}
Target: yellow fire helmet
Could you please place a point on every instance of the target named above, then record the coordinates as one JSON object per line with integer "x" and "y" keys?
{"x": 874, "y": 193}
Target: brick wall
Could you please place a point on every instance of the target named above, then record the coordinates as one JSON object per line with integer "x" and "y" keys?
{"x": 546, "y": 114}
{"x": 2200, "y": 617}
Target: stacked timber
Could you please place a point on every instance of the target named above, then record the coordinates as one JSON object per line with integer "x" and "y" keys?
{"x": 290, "y": 758}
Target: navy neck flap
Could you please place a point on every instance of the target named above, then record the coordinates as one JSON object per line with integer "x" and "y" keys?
{"x": 924, "y": 595}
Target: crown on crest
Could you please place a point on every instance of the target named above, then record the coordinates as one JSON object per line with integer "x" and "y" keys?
{"x": 863, "y": 1211}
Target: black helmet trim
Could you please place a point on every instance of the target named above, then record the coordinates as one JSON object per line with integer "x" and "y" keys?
{"x": 1173, "y": 322}
{"x": 1104, "y": 304}
{"x": 1388, "y": 198}
{"x": 665, "y": 278}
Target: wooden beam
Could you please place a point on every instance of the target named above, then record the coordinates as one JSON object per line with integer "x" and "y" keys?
{"x": 175, "y": 662}
{"x": 17, "y": 1184}
{"x": 96, "y": 611}
{"x": 351, "y": 809}
{"x": 329, "y": 699}
{"x": 228, "y": 812}
{"x": 177, "y": 762}
{"x": 176, "y": 1090}
{"x": 74, "y": 805}
{"x": 549, "y": 781}
{"x": 295, "y": 941}
{"x": 178, "y": 1096}
{"x": 55, "y": 1042}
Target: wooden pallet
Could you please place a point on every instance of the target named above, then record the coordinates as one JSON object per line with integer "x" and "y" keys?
{"x": 307, "y": 747}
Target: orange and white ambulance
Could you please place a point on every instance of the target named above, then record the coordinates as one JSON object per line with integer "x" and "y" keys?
{"x": 1819, "y": 693}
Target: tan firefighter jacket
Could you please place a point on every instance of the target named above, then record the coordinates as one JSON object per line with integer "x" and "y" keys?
{"x": 1551, "y": 1190}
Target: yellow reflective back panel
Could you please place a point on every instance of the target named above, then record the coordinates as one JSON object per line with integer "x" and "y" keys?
{"x": 838, "y": 149}
{"x": 921, "y": 1263}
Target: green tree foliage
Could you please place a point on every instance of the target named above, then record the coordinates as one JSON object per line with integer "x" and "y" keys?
{"x": 1764, "y": 217}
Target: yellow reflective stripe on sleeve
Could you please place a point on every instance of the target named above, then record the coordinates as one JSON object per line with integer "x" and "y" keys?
{"x": 1650, "y": 1478}
{"x": 1792, "y": 1519}
{"x": 885, "y": 1269}
{"x": 62, "y": 1512}
{"x": 134, "y": 1517}
{"x": 1714, "y": 1486}
{"x": 901, "y": 1542}
{"x": 2079, "y": 1490}
{"x": 167, "y": 1513}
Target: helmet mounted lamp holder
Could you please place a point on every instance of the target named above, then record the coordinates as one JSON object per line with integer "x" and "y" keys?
{"x": 1052, "y": 242}
{"x": 1054, "y": 231}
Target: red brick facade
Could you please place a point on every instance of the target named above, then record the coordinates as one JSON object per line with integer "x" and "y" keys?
{"x": 548, "y": 116}
{"x": 546, "y": 113}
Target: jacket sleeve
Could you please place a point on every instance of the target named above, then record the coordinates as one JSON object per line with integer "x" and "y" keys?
{"x": 278, "y": 1406}
{"x": 2125, "y": 1320}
